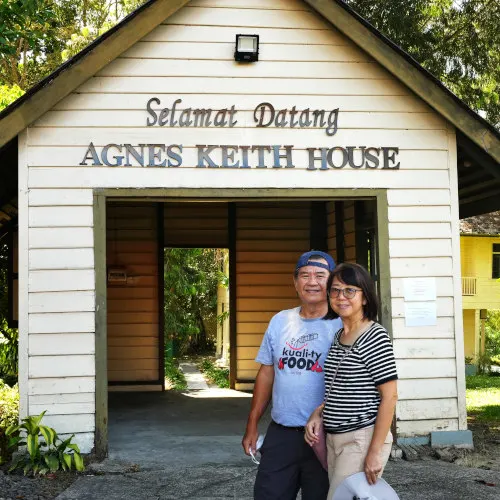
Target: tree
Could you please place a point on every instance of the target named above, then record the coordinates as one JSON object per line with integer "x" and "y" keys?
{"x": 32, "y": 36}
{"x": 492, "y": 335}
{"x": 8, "y": 94}
{"x": 37, "y": 35}
{"x": 191, "y": 278}
{"x": 458, "y": 41}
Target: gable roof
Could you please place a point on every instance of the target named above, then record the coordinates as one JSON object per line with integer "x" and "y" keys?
{"x": 486, "y": 224}
{"x": 479, "y": 142}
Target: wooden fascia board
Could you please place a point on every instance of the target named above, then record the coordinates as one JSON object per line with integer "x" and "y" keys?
{"x": 408, "y": 74}
{"x": 484, "y": 206}
{"x": 92, "y": 62}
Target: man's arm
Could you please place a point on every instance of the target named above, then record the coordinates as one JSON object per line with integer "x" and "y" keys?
{"x": 261, "y": 396}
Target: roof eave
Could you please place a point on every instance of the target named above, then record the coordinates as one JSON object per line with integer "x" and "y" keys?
{"x": 409, "y": 72}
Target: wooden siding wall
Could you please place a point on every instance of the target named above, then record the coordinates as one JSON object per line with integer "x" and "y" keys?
{"x": 56, "y": 251}
{"x": 269, "y": 239}
{"x": 331, "y": 240}
{"x": 349, "y": 231}
{"x": 133, "y": 328}
{"x": 303, "y": 62}
{"x": 203, "y": 225}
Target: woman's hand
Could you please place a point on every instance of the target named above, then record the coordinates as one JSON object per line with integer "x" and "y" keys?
{"x": 313, "y": 426}
{"x": 373, "y": 466}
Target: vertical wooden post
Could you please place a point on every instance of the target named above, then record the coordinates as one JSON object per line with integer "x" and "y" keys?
{"x": 232, "y": 294}
{"x": 160, "y": 238}
{"x": 101, "y": 348}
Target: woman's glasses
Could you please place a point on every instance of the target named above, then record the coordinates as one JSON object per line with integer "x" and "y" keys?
{"x": 348, "y": 292}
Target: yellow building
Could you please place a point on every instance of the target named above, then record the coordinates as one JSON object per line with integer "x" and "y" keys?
{"x": 480, "y": 262}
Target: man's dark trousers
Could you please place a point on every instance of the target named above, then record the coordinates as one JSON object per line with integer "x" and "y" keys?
{"x": 287, "y": 465}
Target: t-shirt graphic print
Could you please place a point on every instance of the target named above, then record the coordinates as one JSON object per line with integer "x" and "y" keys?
{"x": 297, "y": 348}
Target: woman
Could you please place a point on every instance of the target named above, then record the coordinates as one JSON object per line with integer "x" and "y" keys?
{"x": 360, "y": 382}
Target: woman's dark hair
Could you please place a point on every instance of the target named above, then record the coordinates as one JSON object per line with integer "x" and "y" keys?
{"x": 358, "y": 276}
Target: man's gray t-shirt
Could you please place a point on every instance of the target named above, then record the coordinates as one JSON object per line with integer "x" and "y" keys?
{"x": 297, "y": 348}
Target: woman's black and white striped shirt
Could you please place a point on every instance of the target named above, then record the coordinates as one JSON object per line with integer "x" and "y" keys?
{"x": 354, "y": 399}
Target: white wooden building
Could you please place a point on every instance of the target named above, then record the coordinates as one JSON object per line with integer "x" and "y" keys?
{"x": 368, "y": 157}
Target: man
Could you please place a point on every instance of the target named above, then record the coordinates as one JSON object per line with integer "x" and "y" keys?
{"x": 292, "y": 354}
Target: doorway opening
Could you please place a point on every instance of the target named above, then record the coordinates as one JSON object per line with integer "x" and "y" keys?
{"x": 260, "y": 241}
{"x": 196, "y": 317}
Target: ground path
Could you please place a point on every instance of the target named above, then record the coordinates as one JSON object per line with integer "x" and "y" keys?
{"x": 421, "y": 480}
{"x": 188, "y": 445}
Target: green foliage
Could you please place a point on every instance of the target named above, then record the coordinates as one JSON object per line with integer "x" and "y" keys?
{"x": 459, "y": 42}
{"x": 191, "y": 279}
{"x": 483, "y": 398}
{"x": 483, "y": 363}
{"x": 37, "y": 35}
{"x": 28, "y": 36}
{"x": 46, "y": 450}
{"x": 8, "y": 336}
{"x": 97, "y": 18}
{"x": 492, "y": 334}
{"x": 174, "y": 375}
{"x": 214, "y": 374}
{"x": 9, "y": 415}
{"x": 8, "y": 94}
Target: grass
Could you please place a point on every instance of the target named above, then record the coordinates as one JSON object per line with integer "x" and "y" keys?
{"x": 483, "y": 398}
{"x": 174, "y": 377}
{"x": 214, "y": 374}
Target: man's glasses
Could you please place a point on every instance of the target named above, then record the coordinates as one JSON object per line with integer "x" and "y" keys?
{"x": 349, "y": 293}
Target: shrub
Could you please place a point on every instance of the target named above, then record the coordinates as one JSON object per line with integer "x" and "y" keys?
{"x": 483, "y": 363}
{"x": 174, "y": 375}
{"x": 9, "y": 415}
{"x": 9, "y": 347}
{"x": 216, "y": 375}
{"x": 46, "y": 450}
{"x": 492, "y": 333}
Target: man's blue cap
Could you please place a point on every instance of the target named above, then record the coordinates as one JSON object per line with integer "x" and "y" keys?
{"x": 304, "y": 260}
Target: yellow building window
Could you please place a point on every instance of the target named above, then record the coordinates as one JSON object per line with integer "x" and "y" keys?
{"x": 496, "y": 261}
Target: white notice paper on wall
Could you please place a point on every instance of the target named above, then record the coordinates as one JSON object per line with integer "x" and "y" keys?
{"x": 421, "y": 313}
{"x": 418, "y": 289}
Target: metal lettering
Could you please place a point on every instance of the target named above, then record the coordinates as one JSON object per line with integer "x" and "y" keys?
{"x": 333, "y": 119}
{"x": 185, "y": 118}
{"x": 173, "y": 122}
{"x": 151, "y": 111}
{"x": 287, "y": 156}
{"x": 262, "y": 108}
{"x": 118, "y": 159}
{"x": 244, "y": 156}
{"x": 390, "y": 158}
{"x": 228, "y": 156}
{"x": 373, "y": 158}
{"x": 345, "y": 157}
{"x": 350, "y": 157}
{"x": 313, "y": 158}
{"x": 172, "y": 155}
{"x": 203, "y": 156}
{"x": 130, "y": 150}
{"x": 204, "y": 114}
{"x": 261, "y": 150}
{"x": 91, "y": 154}
{"x": 156, "y": 155}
